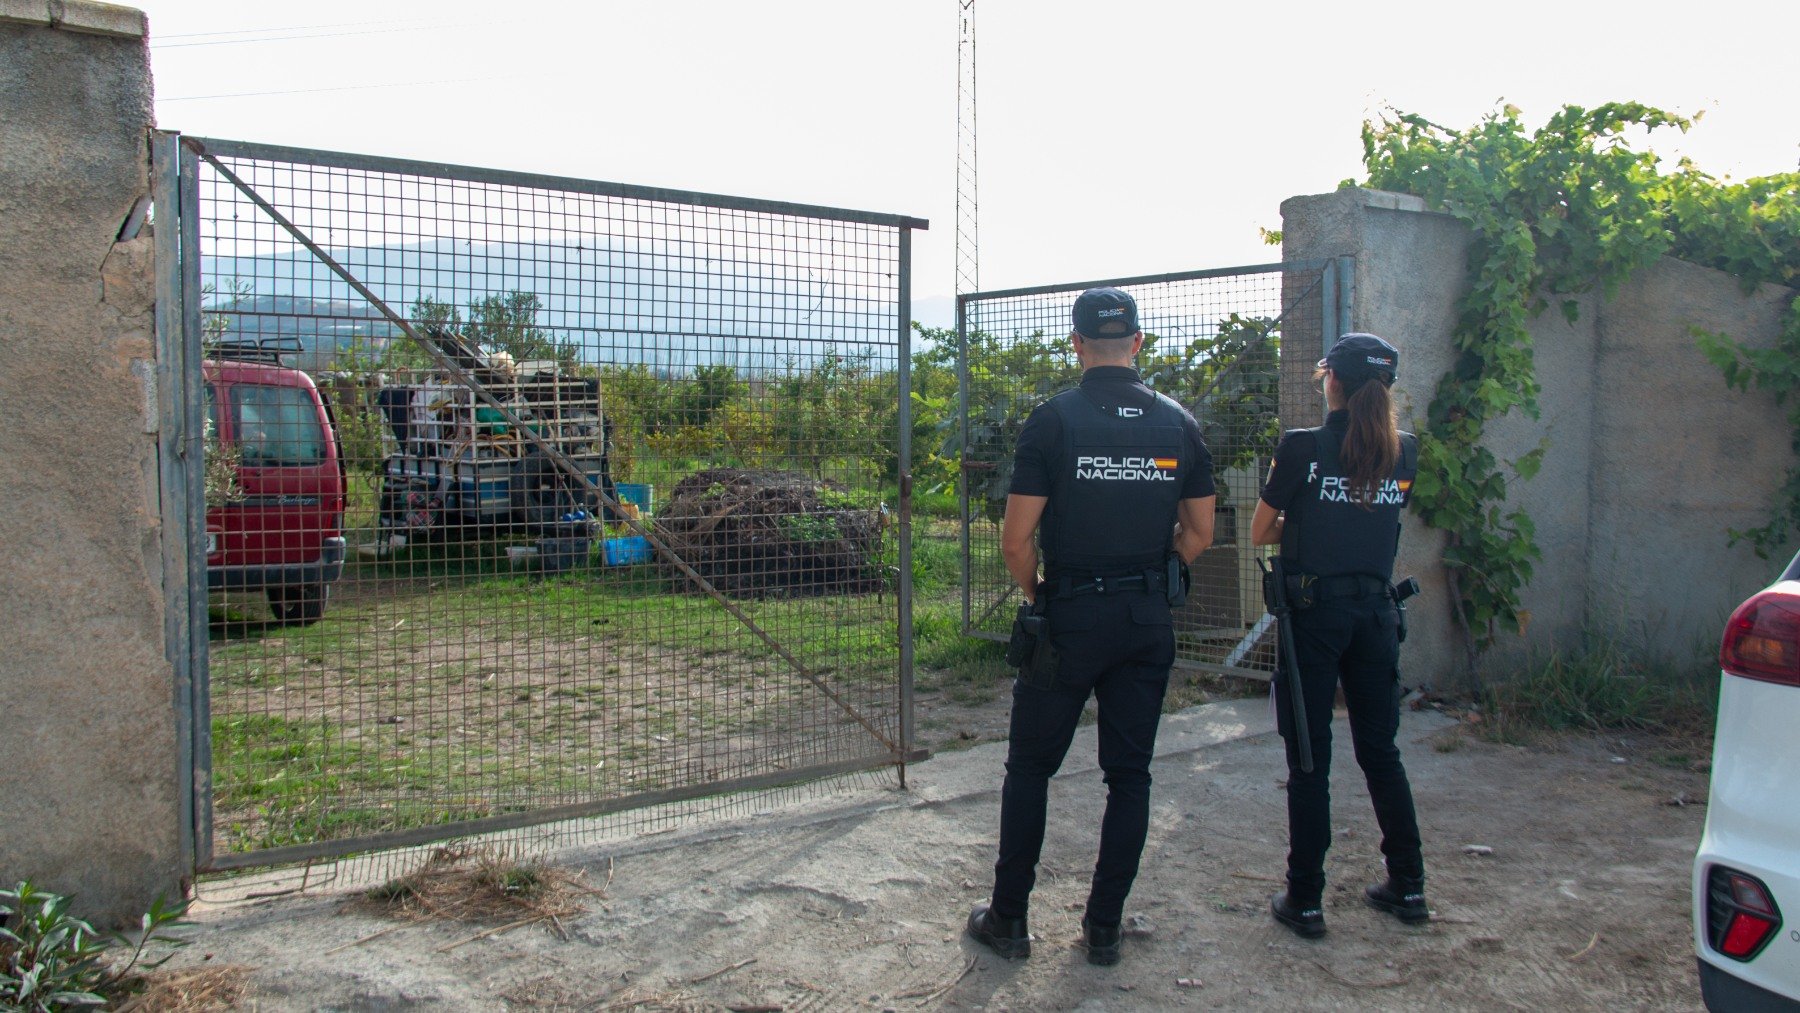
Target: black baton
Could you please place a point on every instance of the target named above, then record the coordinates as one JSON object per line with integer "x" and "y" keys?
{"x": 1275, "y": 596}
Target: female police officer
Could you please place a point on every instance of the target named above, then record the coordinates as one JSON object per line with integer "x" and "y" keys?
{"x": 1333, "y": 503}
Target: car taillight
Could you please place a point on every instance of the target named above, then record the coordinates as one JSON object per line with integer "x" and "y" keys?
{"x": 1762, "y": 639}
{"x": 1741, "y": 917}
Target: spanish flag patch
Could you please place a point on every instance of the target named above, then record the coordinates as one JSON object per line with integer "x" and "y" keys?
{"x": 1165, "y": 463}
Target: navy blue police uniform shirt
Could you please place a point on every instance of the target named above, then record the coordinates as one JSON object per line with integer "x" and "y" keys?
{"x": 1294, "y": 459}
{"x": 1327, "y": 534}
{"x": 1040, "y": 442}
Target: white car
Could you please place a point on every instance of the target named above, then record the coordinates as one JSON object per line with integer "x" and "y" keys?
{"x": 1747, "y": 872}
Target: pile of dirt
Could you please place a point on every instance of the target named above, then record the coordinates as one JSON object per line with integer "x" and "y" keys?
{"x": 760, "y": 533}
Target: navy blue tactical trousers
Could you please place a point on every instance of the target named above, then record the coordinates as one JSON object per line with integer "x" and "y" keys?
{"x": 1353, "y": 641}
{"x": 1118, "y": 647}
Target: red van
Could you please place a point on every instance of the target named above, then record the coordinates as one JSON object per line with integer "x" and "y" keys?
{"x": 283, "y": 533}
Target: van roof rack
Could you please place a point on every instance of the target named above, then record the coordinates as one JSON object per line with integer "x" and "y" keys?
{"x": 269, "y": 350}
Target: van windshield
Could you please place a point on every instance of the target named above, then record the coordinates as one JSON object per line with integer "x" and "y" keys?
{"x": 276, "y": 426}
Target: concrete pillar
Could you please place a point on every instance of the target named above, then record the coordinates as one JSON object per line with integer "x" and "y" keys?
{"x": 88, "y": 779}
{"x": 1408, "y": 272}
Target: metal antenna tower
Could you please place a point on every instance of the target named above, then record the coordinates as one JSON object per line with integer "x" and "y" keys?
{"x": 968, "y": 206}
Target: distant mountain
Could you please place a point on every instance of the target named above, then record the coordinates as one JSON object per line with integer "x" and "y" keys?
{"x": 670, "y": 305}
{"x": 322, "y": 328}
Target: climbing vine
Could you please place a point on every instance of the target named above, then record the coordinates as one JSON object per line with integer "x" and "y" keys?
{"x": 1751, "y": 230}
{"x": 1554, "y": 213}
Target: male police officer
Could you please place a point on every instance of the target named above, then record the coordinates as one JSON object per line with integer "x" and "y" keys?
{"x": 1102, "y": 473}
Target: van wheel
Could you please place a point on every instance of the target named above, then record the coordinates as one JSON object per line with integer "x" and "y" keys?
{"x": 298, "y": 606}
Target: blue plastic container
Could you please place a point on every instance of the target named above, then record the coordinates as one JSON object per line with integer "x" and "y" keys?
{"x": 640, "y": 495}
{"x": 625, "y": 551}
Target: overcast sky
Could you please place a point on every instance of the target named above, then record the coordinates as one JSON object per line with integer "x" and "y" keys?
{"x": 1122, "y": 138}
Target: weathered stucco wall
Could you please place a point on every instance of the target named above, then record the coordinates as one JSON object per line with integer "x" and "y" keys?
{"x": 1649, "y": 458}
{"x": 88, "y": 796}
{"x": 1684, "y": 458}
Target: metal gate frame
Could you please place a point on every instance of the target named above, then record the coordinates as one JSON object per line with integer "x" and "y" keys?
{"x": 1333, "y": 281}
{"x": 176, "y": 161}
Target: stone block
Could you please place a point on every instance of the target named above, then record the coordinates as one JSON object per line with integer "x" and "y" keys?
{"x": 29, "y": 12}
{"x": 98, "y": 18}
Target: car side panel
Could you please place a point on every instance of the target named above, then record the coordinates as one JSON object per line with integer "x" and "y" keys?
{"x": 1753, "y": 822}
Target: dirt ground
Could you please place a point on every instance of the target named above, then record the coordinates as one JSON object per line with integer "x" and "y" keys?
{"x": 855, "y": 900}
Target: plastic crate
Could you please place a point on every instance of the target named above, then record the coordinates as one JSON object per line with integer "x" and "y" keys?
{"x": 642, "y": 496}
{"x": 625, "y": 551}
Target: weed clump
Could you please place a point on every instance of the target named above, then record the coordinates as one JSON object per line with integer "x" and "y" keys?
{"x": 1603, "y": 688}
{"x": 477, "y": 884}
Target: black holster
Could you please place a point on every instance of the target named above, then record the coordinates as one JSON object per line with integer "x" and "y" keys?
{"x": 1029, "y": 650}
{"x": 1176, "y": 581}
{"x": 1403, "y": 590}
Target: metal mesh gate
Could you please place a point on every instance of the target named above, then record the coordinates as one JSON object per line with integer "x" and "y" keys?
{"x": 528, "y": 498}
{"x": 1212, "y": 342}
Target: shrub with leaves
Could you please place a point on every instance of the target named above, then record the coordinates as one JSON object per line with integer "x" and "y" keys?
{"x": 51, "y": 960}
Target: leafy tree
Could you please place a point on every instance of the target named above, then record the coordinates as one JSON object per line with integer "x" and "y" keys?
{"x": 709, "y": 389}
{"x": 508, "y": 323}
{"x": 505, "y": 323}
{"x": 1227, "y": 377}
{"x": 1007, "y": 377}
{"x": 1230, "y": 379}
{"x": 431, "y": 311}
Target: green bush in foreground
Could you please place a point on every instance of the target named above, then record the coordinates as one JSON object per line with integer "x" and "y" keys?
{"x": 52, "y": 960}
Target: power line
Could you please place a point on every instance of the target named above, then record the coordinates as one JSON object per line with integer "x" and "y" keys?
{"x": 320, "y": 35}
{"x": 347, "y": 87}
{"x": 287, "y": 28}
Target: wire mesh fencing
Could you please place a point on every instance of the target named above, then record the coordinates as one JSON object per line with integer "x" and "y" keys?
{"x": 1212, "y": 341}
{"x": 530, "y": 498}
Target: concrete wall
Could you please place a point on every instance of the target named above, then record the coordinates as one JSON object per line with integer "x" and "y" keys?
{"x": 88, "y": 800}
{"x": 1649, "y": 457}
{"x": 1685, "y": 459}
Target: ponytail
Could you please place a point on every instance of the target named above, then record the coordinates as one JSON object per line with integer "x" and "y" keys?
{"x": 1371, "y": 445}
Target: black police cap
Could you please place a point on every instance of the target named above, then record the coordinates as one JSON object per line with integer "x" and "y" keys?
{"x": 1357, "y": 358}
{"x": 1105, "y": 313}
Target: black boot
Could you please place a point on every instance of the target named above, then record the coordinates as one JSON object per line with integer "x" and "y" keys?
{"x": 1307, "y": 920}
{"x": 1005, "y": 936}
{"x": 1102, "y": 942}
{"x": 1401, "y": 896}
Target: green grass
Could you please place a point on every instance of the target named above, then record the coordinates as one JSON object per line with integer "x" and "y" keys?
{"x": 1602, "y": 688}
{"x": 279, "y": 781}
{"x": 966, "y": 670}
{"x": 1450, "y": 740}
{"x": 937, "y": 504}
{"x": 292, "y": 779}
{"x": 406, "y": 634}
{"x": 1674, "y": 761}
{"x": 838, "y": 633}
{"x": 271, "y": 776}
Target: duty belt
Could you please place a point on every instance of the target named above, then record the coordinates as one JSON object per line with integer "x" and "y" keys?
{"x": 1353, "y": 586}
{"x": 1075, "y": 587}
